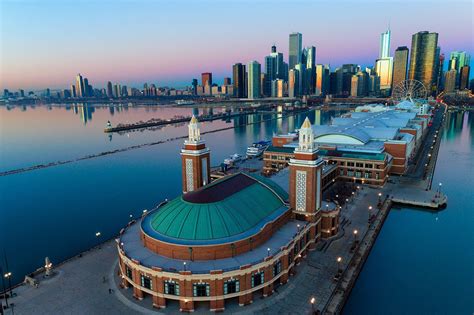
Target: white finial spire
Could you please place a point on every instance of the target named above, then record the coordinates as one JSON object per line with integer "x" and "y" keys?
{"x": 306, "y": 136}
{"x": 194, "y": 134}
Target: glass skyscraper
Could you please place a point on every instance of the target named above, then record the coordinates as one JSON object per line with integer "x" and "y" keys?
{"x": 296, "y": 44}
{"x": 238, "y": 77}
{"x": 384, "y": 65}
{"x": 254, "y": 77}
{"x": 423, "y": 59}
{"x": 400, "y": 65}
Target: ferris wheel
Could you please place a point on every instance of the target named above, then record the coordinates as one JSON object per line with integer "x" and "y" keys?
{"x": 409, "y": 90}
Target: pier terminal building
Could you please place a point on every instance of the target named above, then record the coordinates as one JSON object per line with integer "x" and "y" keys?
{"x": 236, "y": 238}
{"x": 366, "y": 145}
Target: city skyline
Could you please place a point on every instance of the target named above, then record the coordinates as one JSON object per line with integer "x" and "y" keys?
{"x": 125, "y": 55}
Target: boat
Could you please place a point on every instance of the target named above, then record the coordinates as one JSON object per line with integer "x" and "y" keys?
{"x": 109, "y": 124}
{"x": 257, "y": 148}
{"x": 233, "y": 159}
{"x": 184, "y": 102}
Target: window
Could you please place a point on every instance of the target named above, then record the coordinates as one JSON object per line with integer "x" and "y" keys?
{"x": 307, "y": 237}
{"x": 359, "y": 164}
{"x": 231, "y": 286}
{"x": 350, "y": 173}
{"x": 257, "y": 279}
{"x": 341, "y": 172}
{"x": 290, "y": 257}
{"x": 341, "y": 163}
{"x": 368, "y": 165}
{"x": 146, "y": 282}
{"x": 277, "y": 268}
{"x": 129, "y": 272}
{"x": 377, "y": 175}
{"x": 358, "y": 174}
{"x": 367, "y": 175}
{"x": 171, "y": 287}
{"x": 201, "y": 289}
{"x": 350, "y": 163}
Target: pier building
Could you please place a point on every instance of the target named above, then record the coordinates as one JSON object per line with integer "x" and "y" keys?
{"x": 236, "y": 238}
{"x": 365, "y": 145}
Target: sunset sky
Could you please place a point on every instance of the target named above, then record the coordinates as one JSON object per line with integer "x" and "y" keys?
{"x": 46, "y": 43}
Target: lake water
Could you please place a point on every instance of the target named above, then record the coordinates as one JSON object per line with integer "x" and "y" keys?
{"x": 422, "y": 262}
{"x": 56, "y": 211}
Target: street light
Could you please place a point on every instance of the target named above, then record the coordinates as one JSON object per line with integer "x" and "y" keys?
{"x": 97, "y": 234}
{"x": 268, "y": 251}
{"x": 312, "y": 301}
{"x": 184, "y": 265}
{"x": 4, "y": 290}
{"x": 355, "y": 235}
{"x": 339, "y": 260}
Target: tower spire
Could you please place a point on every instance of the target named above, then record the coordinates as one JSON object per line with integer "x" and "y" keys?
{"x": 195, "y": 159}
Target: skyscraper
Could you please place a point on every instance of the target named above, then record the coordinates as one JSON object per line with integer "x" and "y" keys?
{"x": 322, "y": 80}
{"x": 384, "y": 65}
{"x": 238, "y": 77}
{"x": 110, "y": 92}
{"x": 293, "y": 78}
{"x": 384, "y": 51}
{"x": 464, "y": 77}
{"x": 450, "y": 81}
{"x": 194, "y": 84}
{"x": 86, "y": 88}
{"x": 79, "y": 86}
{"x": 206, "y": 78}
{"x": 227, "y": 81}
{"x": 296, "y": 43}
{"x": 310, "y": 72}
{"x": 254, "y": 77}
{"x": 459, "y": 59}
{"x": 73, "y": 90}
{"x": 271, "y": 73}
{"x": 400, "y": 65}
{"x": 423, "y": 59}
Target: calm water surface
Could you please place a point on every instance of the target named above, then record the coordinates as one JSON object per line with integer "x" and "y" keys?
{"x": 422, "y": 261}
{"x": 56, "y": 211}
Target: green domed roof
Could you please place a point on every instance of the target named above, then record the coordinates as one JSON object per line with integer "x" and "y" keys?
{"x": 227, "y": 208}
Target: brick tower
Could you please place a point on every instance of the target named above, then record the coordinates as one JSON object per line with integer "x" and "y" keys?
{"x": 305, "y": 175}
{"x": 195, "y": 159}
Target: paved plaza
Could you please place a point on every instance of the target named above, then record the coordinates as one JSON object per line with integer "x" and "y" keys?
{"x": 81, "y": 285}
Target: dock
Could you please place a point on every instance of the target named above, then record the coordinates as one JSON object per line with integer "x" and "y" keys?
{"x": 413, "y": 196}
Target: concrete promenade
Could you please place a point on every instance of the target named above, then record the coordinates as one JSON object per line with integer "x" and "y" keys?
{"x": 81, "y": 285}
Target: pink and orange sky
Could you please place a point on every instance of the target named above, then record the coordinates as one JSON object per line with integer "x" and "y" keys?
{"x": 46, "y": 43}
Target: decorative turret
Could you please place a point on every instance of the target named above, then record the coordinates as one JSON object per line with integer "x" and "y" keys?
{"x": 306, "y": 137}
{"x": 194, "y": 135}
{"x": 305, "y": 175}
{"x": 195, "y": 159}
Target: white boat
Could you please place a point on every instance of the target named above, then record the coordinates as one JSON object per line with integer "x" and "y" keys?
{"x": 257, "y": 148}
{"x": 233, "y": 159}
{"x": 184, "y": 102}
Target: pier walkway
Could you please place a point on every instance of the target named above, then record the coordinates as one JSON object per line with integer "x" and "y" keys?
{"x": 413, "y": 196}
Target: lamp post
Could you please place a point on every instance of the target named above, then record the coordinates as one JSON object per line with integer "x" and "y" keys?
{"x": 184, "y": 265}
{"x": 439, "y": 189}
{"x": 339, "y": 260}
{"x": 355, "y": 235}
{"x": 3, "y": 288}
{"x": 8, "y": 274}
{"x": 312, "y": 301}
{"x": 268, "y": 251}
{"x": 380, "y": 197}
